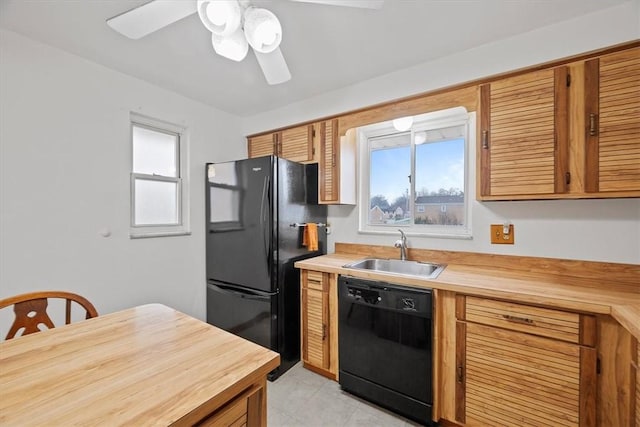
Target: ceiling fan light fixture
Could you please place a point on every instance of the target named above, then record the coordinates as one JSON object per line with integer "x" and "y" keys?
{"x": 262, "y": 29}
{"x": 234, "y": 46}
{"x": 221, "y": 17}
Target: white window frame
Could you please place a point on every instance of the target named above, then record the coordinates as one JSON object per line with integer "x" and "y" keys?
{"x": 438, "y": 119}
{"x": 161, "y": 230}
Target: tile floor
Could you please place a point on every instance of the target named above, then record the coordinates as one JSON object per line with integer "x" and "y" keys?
{"x": 300, "y": 398}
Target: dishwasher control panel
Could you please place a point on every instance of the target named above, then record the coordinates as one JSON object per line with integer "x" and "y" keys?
{"x": 385, "y": 295}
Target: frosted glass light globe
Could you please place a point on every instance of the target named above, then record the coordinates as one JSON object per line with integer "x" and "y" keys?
{"x": 262, "y": 29}
{"x": 221, "y": 17}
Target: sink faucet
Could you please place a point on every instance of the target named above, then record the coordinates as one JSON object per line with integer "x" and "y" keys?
{"x": 402, "y": 244}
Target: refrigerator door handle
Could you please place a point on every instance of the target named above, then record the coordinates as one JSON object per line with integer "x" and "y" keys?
{"x": 264, "y": 211}
{"x": 253, "y": 295}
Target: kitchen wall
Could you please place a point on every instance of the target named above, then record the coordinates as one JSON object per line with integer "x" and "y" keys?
{"x": 598, "y": 230}
{"x": 65, "y": 163}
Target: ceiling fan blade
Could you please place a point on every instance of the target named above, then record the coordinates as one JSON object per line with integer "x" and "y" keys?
{"x": 274, "y": 67}
{"x": 365, "y": 4}
{"x": 151, "y": 16}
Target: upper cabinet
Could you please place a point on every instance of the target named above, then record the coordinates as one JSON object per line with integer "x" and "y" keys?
{"x": 337, "y": 175}
{"x": 612, "y": 101}
{"x": 524, "y": 134}
{"x": 566, "y": 132}
{"x": 262, "y": 145}
{"x": 316, "y": 143}
{"x": 294, "y": 144}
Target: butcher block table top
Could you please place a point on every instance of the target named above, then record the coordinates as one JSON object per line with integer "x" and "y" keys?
{"x": 148, "y": 365}
{"x": 602, "y": 295}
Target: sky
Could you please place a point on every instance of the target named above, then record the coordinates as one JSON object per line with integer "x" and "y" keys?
{"x": 438, "y": 165}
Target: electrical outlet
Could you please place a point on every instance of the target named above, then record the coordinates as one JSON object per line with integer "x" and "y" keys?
{"x": 498, "y": 235}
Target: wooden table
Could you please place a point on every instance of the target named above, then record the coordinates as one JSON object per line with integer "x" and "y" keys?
{"x": 148, "y": 365}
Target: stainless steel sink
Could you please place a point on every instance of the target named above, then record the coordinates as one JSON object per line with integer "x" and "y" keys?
{"x": 407, "y": 268}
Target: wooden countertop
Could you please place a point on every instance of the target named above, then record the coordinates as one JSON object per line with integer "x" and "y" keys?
{"x": 148, "y": 365}
{"x": 620, "y": 300}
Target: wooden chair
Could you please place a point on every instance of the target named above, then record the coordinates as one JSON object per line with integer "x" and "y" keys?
{"x": 31, "y": 310}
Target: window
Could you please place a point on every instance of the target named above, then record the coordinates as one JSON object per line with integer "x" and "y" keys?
{"x": 417, "y": 180}
{"x": 158, "y": 207}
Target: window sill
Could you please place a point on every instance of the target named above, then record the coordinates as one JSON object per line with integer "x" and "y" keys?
{"x": 412, "y": 233}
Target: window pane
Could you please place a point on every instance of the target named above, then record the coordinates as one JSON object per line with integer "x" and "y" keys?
{"x": 440, "y": 182}
{"x": 154, "y": 152}
{"x": 155, "y": 202}
{"x": 389, "y": 185}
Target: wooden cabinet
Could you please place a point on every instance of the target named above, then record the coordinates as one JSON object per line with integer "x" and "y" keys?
{"x": 524, "y": 134}
{"x": 523, "y": 365}
{"x": 636, "y": 369}
{"x": 571, "y": 131}
{"x": 337, "y": 164}
{"x": 616, "y": 383}
{"x": 319, "y": 326}
{"x": 247, "y": 409}
{"x": 294, "y": 144}
{"x": 261, "y": 145}
{"x": 612, "y": 117}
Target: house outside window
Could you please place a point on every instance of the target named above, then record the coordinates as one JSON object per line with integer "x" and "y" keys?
{"x": 417, "y": 179}
{"x": 158, "y": 205}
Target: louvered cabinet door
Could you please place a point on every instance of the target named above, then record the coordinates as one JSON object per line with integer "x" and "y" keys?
{"x": 262, "y": 145}
{"x": 637, "y": 370}
{"x": 516, "y": 379}
{"x": 329, "y": 169}
{"x": 315, "y": 316}
{"x": 612, "y": 92}
{"x": 524, "y": 135}
{"x": 296, "y": 144}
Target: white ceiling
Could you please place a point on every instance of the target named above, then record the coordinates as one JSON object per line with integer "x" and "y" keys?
{"x": 326, "y": 47}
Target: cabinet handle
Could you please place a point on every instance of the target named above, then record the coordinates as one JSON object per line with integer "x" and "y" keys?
{"x": 460, "y": 374}
{"x": 324, "y": 332}
{"x": 333, "y": 160}
{"x": 485, "y": 139}
{"x": 592, "y": 124}
{"x": 517, "y": 319}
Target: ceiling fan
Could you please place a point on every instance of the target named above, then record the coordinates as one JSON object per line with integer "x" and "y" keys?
{"x": 234, "y": 24}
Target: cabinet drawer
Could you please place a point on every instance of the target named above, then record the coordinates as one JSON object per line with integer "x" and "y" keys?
{"x": 544, "y": 322}
{"x": 315, "y": 280}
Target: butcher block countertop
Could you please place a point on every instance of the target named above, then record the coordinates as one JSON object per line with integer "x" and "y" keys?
{"x": 601, "y": 288}
{"x": 148, "y": 365}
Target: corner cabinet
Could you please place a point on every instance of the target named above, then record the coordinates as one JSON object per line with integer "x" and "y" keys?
{"x": 523, "y": 365}
{"x": 319, "y": 326}
{"x": 524, "y": 134}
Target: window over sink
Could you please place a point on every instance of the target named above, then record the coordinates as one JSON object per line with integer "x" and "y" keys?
{"x": 417, "y": 179}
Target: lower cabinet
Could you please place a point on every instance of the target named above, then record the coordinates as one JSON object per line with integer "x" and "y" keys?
{"x": 319, "y": 326}
{"x": 246, "y": 410}
{"x": 635, "y": 368}
{"x": 519, "y": 365}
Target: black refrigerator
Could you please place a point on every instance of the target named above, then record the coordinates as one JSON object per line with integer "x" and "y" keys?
{"x": 257, "y": 210}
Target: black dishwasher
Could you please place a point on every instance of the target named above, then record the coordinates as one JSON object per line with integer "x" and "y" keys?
{"x": 385, "y": 344}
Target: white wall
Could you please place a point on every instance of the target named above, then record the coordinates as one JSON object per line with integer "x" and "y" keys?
{"x": 65, "y": 163}
{"x": 599, "y": 230}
